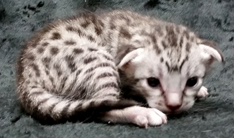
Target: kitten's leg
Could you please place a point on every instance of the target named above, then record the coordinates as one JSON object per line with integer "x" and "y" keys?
{"x": 137, "y": 115}
{"x": 203, "y": 92}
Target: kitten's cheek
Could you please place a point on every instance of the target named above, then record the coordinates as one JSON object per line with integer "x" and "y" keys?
{"x": 190, "y": 92}
{"x": 188, "y": 105}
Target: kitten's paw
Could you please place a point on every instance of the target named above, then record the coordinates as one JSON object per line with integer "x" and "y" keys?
{"x": 145, "y": 117}
{"x": 203, "y": 92}
{"x": 137, "y": 115}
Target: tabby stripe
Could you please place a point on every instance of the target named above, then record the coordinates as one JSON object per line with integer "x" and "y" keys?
{"x": 104, "y": 75}
{"x": 88, "y": 77}
{"x": 43, "y": 101}
{"x": 88, "y": 60}
{"x": 107, "y": 85}
{"x": 63, "y": 81}
{"x": 77, "y": 108}
{"x": 99, "y": 66}
{"x": 107, "y": 57}
{"x": 110, "y": 95}
{"x": 182, "y": 65}
{"x": 51, "y": 108}
{"x": 64, "y": 112}
{"x": 75, "y": 30}
{"x": 69, "y": 89}
{"x": 36, "y": 93}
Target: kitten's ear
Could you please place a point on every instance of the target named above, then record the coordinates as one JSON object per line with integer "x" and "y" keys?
{"x": 211, "y": 52}
{"x": 128, "y": 58}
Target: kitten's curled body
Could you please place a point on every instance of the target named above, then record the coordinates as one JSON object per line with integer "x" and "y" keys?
{"x": 69, "y": 69}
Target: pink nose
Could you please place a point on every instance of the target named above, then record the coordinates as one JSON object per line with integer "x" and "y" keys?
{"x": 174, "y": 107}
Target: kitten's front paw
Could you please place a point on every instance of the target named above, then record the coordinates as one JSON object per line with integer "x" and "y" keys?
{"x": 145, "y": 117}
{"x": 203, "y": 92}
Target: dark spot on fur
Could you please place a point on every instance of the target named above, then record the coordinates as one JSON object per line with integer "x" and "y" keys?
{"x": 172, "y": 37}
{"x": 30, "y": 56}
{"x": 181, "y": 42}
{"x": 75, "y": 30}
{"x": 91, "y": 38}
{"x": 186, "y": 33}
{"x": 80, "y": 32}
{"x": 36, "y": 69}
{"x": 70, "y": 42}
{"x": 58, "y": 69}
{"x": 92, "y": 49}
{"x": 161, "y": 59}
{"x": 124, "y": 33}
{"x": 78, "y": 72}
{"x": 90, "y": 59}
{"x": 71, "y": 64}
{"x": 40, "y": 50}
{"x": 177, "y": 30}
{"x": 98, "y": 30}
{"x": 46, "y": 60}
{"x": 45, "y": 44}
{"x": 78, "y": 51}
{"x": 112, "y": 26}
{"x": 51, "y": 79}
{"x": 85, "y": 24}
{"x": 192, "y": 38}
{"x": 54, "y": 51}
{"x": 153, "y": 38}
{"x": 188, "y": 47}
{"x": 47, "y": 72}
{"x": 56, "y": 36}
{"x": 164, "y": 44}
{"x": 157, "y": 50}
{"x": 168, "y": 67}
{"x": 70, "y": 28}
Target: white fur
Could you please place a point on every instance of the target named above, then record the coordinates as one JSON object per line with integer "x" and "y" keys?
{"x": 60, "y": 106}
{"x": 209, "y": 51}
{"x": 203, "y": 92}
{"x": 140, "y": 116}
{"x": 130, "y": 56}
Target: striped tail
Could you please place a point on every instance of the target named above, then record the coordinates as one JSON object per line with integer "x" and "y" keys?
{"x": 49, "y": 108}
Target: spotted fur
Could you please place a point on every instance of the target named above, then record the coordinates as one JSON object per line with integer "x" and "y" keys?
{"x": 98, "y": 66}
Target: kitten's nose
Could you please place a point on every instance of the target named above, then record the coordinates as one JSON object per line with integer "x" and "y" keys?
{"x": 173, "y": 101}
{"x": 173, "y": 107}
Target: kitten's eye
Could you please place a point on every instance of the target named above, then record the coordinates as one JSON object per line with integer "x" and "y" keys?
{"x": 192, "y": 81}
{"x": 153, "y": 82}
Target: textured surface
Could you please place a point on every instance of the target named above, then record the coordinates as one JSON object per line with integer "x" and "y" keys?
{"x": 211, "y": 19}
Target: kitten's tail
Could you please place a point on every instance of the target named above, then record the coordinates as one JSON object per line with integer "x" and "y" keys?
{"x": 50, "y": 108}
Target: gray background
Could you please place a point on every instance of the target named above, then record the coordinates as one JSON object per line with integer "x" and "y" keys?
{"x": 211, "y": 19}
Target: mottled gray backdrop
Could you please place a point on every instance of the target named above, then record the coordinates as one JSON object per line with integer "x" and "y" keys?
{"x": 212, "y": 19}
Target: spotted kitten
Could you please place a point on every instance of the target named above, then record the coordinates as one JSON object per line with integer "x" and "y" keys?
{"x": 119, "y": 66}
